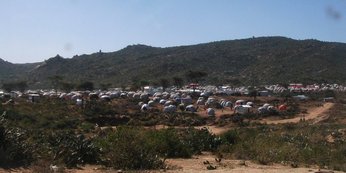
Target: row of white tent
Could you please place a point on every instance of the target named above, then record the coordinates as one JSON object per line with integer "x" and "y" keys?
{"x": 204, "y": 90}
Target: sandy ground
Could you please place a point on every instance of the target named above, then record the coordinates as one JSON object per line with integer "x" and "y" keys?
{"x": 197, "y": 164}
{"x": 200, "y": 163}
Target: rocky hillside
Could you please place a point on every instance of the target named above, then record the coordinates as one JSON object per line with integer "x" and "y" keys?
{"x": 264, "y": 60}
{"x": 13, "y": 72}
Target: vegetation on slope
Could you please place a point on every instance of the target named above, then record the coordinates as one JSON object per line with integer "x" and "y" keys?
{"x": 255, "y": 60}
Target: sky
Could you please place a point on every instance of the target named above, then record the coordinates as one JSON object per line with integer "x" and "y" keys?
{"x": 35, "y": 30}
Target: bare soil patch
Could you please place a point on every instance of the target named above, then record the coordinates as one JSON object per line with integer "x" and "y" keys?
{"x": 199, "y": 164}
{"x": 313, "y": 113}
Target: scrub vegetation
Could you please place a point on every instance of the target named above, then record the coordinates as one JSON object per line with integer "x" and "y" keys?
{"x": 56, "y": 132}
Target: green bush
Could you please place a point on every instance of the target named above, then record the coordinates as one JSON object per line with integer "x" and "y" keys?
{"x": 230, "y": 137}
{"x": 169, "y": 144}
{"x": 201, "y": 140}
{"x": 71, "y": 149}
{"x": 291, "y": 143}
{"x": 14, "y": 147}
{"x": 128, "y": 148}
{"x": 137, "y": 148}
{"x": 87, "y": 127}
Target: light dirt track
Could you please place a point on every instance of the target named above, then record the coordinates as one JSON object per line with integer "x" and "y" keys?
{"x": 196, "y": 165}
{"x": 317, "y": 114}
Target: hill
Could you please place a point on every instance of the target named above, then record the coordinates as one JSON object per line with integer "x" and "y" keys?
{"x": 263, "y": 60}
{"x": 14, "y": 72}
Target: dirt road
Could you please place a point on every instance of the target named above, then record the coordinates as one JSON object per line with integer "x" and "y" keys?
{"x": 317, "y": 114}
{"x": 199, "y": 164}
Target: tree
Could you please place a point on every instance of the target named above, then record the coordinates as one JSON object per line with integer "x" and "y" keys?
{"x": 137, "y": 83}
{"x": 56, "y": 81}
{"x": 86, "y": 86}
{"x": 164, "y": 83}
{"x": 8, "y": 87}
{"x": 143, "y": 83}
{"x": 253, "y": 93}
{"x": 195, "y": 76}
{"x": 178, "y": 81}
{"x": 67, "y": 87}
{"x": 20, "y": 86}
{"x": 105, "y": 86}
{"x": 286, "y": 94}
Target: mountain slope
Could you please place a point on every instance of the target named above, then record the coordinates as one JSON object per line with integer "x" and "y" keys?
{"x": 14, "y": 72}
{"x": 264, "y": 60}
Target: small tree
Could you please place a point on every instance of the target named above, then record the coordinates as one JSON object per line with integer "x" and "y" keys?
{"x": 164, "y": 83}
{"x": 105, "y": 86}
{"x": 8, "y": 87}
{"x": 195, "y": 76}
{"x": 86, "y": 86}
{"x": 286, "y": 94}
{"x": 135, "y": 83}
{"x": 178, "y": 82}
{"x": 253, "y": 93}
{"x": 21, "y": 86}
{"x": 143, "y": 83}
{"x": 56, "y": 81}
{"x": 67, "y": 87}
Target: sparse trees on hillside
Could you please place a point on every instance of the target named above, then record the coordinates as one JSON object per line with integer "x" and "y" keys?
{"x": 20, "y": 86}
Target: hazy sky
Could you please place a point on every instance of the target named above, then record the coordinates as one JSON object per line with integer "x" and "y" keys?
{"x": 35, "y": 30}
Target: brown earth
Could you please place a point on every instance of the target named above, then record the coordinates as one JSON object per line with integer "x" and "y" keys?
{"x": 316, "y": 114}
{"x": 197, "y": 164}
{"x": 200, "y": 163}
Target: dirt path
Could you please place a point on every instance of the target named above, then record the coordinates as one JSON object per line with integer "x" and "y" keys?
{"x": 317, "y": 114}
{"x": 213, "y": 129}
{"x": 199, "y": 164}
